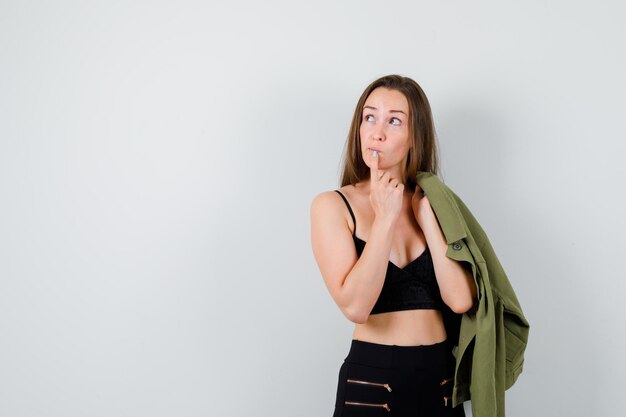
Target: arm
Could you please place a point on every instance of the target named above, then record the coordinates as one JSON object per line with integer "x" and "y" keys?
{"x": 354, "y": 283}
{"x": 456, "y": 283}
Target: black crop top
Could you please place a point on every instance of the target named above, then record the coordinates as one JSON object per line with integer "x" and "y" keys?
{"x": 409, "y": 288}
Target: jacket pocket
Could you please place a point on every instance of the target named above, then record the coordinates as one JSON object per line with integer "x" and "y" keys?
{"x": 465, "y": 250}
{"x": 515, "y": 335}
{"x": 516, "y": 329}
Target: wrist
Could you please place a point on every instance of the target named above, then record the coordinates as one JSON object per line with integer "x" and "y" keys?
{"x": 383, "y": 224}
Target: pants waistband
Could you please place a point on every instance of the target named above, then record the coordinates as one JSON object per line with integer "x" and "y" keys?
{"x": 392, "y": 356}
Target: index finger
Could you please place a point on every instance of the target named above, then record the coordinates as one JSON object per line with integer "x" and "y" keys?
{"x": 374, "y": 166}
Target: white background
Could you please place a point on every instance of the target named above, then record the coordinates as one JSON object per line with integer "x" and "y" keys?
{"x": 158, "y": 160}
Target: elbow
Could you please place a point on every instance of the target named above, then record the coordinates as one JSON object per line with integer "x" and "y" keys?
{"x": 355, "y": 315}
{"x": 353, "y": 309}
{"x": 461, "y": 306}
{"x": 463, "y": 300}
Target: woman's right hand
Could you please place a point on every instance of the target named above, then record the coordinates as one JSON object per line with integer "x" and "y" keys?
{"x": 386, "y": 193}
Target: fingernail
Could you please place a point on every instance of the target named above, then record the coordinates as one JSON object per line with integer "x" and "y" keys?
{"x": 374, "y": 153}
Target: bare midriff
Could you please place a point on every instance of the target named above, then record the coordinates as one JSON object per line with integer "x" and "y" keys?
{"x": 402, "y": 328}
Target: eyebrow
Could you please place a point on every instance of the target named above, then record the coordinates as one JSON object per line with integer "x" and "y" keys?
{"x": 390, "y": 111}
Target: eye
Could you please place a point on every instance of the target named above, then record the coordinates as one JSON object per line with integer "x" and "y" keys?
{"x": 366, "y": 117}
{"x": 398, "y": 120}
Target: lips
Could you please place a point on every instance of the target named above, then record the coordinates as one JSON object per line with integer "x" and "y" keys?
{"x": 373, "y": 149}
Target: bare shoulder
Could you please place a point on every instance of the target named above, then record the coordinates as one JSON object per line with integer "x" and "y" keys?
{"x": 332, "y": 198}
{"x": 325, "y": 205}
{"x": 326, "y": 211}
{"x": 324, "y": 199}
{"x": 330, "y": 203}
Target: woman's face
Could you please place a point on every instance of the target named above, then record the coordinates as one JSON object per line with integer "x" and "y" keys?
{"x": 385, "y": 128}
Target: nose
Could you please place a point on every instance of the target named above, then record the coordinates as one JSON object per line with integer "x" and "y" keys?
{"x": 379, "y": 133}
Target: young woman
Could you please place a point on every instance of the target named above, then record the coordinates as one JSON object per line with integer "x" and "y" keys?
{"x": 382, "y": 255}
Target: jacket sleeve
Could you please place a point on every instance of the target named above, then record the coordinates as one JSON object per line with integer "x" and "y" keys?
{"x": 502, "y": 332}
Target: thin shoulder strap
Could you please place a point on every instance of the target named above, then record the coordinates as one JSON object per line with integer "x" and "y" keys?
{"x": 350, "y": 209}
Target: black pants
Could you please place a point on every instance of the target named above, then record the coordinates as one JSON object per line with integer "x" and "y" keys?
{"x": 391, "y": 380}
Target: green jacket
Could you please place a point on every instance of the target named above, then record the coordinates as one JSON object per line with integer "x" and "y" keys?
{"x": 490, "y": 339}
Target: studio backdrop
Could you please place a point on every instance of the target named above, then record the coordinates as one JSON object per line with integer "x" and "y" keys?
{"x": 158, "y": 161}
